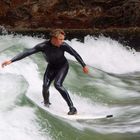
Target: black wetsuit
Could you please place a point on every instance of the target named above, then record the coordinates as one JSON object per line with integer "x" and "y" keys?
{"x": 57, "y": 66}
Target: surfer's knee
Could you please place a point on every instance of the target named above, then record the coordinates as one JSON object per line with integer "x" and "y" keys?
{"x": 57, "y": 85}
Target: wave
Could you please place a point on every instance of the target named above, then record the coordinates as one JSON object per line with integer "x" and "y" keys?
{"x": 110, "y": 87}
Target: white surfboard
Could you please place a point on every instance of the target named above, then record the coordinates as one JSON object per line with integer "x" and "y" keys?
{"x": 63, "y": 115}
{"x": 59, "y": 108}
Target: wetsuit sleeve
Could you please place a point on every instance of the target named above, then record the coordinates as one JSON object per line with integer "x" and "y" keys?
{"x": 71, "y": 51}
{"x": 27, "y": 52}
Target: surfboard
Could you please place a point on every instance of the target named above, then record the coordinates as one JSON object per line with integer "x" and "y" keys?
{"x": 63, "y": 115}
{"x": 59, "y": 108}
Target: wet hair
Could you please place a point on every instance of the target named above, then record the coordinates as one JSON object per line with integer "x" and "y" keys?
{"x": 56, "y": 32}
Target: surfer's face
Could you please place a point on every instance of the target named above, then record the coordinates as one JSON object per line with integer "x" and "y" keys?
{"x": 57, "y": 41}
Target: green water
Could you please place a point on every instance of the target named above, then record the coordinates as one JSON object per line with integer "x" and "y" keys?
{"x": 100, "y": 92}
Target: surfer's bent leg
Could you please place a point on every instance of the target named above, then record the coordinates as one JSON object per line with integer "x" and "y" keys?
{"x": 58, "y": 83}
{"x": 48, "y": 78}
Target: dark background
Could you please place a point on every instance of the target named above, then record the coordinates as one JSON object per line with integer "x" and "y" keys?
{"x": 118, "y": 19}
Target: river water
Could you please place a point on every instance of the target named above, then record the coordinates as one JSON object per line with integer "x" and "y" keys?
{"x": 111, "y": 87}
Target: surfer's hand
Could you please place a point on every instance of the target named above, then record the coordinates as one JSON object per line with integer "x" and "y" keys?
{"x": 85, "y": 69}
{"x": 5, "y": 63}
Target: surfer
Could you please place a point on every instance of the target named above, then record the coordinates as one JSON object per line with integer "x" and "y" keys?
{"x": 57, "y": 68}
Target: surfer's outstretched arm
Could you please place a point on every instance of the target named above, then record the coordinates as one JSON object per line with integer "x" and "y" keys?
{"x": 70, "y": 50}
{"x": 24, "y": 54}
{"x": 19, "y": 56}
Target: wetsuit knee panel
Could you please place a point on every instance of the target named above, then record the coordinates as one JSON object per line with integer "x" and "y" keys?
{"x": 57, "y": 85}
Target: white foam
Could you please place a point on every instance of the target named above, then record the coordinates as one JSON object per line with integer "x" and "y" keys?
{"x": 102, "y": 53}
{"x": 107, "y": 54}
{"x": 18, "y": 122}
